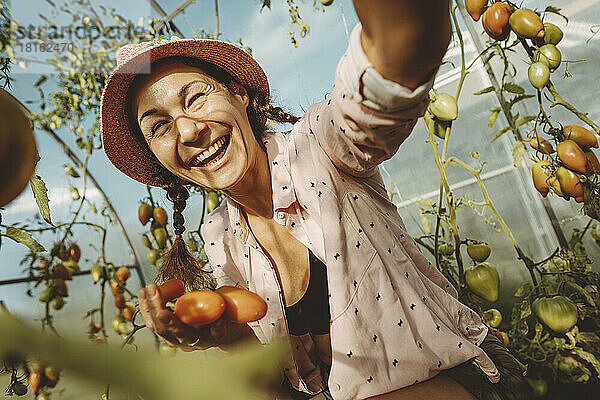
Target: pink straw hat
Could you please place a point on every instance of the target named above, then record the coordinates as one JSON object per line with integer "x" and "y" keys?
{"x": 122, "y": 145}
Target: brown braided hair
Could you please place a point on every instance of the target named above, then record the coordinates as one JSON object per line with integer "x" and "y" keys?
{"x": 179, "y": 263}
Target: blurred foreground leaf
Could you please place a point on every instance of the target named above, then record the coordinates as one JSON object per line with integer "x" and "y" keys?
{"x": 19, "y": 235}
{"x": 242, "y": 374}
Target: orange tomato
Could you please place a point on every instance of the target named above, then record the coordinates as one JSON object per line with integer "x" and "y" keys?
{"x": 171, "y": 290}
{"x": 495, "y": 21}
{"x": 475, "y": 8}
{"x": 569, "y": 183}
{"x": 584, "y": 138}
{"x": 122, "y": 274}
{"x": 199, "y": 307}
{"x": 541, "y": 173}
{"x": 242, "y": 305}
{"x": 571, "y": 155}
{"x": 541, "y": 145}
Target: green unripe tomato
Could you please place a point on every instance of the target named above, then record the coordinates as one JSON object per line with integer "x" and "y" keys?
{"x": 483, "y": 280}
{"x": 96, "y": 271}
{"x": 552, "y": 34}
{"x": 327, "y": 3}
{"x": 444, "y": 107}
{"x": 549, "y": 55}
{"x": 45, "y": 296}
{"x": 152, "y": 256}
{"x": 436, "y": 126}
{"x": 479, "y": 252}
{"x": 559, "y": 313}
{"x": 146, "y": 241}
{"x": 539, "y": 75}
{"x": 493, "y": 316}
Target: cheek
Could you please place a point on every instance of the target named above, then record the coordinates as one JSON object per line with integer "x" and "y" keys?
{"x": 164, "y": 152}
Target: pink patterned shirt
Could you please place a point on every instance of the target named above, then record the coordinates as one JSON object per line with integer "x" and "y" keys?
{"x": 395, "y": 320}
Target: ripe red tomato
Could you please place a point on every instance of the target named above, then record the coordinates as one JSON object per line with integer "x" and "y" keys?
{"x": 571, "y": 155}
{"x": 199, "y": 307}
{"x": 171, "y": 290}
{"x": 242, "y": 305}
{"x": 74, "y": 252}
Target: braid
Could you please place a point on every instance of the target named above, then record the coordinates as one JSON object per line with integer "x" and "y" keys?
{"x": 277, "y": 114}
{"x": 179, "y": 263}
{"x": 178, "y": 194}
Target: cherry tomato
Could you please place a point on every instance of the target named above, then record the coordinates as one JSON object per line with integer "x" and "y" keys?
{"x": 583, "y": 137}
{"x": 483, "y": 280}
{"x": 160, "y": 216}
{"x": 120, "y": 301}
{"x": 242, "y": 305}
{"x": 128, "y": 311}
{"x": 199, "y": 307}
{"x": 171, "y": 290}
{"x": 475, "y": 8}
{"x": 541, "y": 145}
{"x": 60, "y": 271}
{"x": 144, "y": 213}
{"x": 479, "y": 252}
{"x": 538, "y": 74}
{"x": 493, "y": 317}
{"x": 122, "y": 274}
{"x": 549, "y": 55}
{"x": 542, "y": 172}
{"x": 569, "y": 183}
{"x": 526, "y": 23}
{"x": 444, "y": 107}
{"x": 74, "y": 252}
{"x": 552, "y": 33}
{"x": 571, "y": 155}
{"x": 495, "y": 21}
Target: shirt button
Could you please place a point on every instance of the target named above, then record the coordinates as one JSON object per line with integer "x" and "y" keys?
{"x": 280, "y": 215}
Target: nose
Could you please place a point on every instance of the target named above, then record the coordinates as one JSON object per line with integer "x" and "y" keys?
{"x": 190, "y": 130}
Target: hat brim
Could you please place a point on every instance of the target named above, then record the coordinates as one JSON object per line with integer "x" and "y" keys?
{"x": 120, "y": 144}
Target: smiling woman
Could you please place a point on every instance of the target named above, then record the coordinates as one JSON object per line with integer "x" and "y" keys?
{"x": 307, "y": 223}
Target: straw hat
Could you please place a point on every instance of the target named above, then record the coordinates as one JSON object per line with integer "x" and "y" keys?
{"x": 123, "y": 147}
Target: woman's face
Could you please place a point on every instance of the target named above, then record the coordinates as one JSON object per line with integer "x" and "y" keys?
{"x": 195, "y": 126}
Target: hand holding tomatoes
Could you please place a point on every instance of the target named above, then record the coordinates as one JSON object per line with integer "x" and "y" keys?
{"x": 164, "y": 323}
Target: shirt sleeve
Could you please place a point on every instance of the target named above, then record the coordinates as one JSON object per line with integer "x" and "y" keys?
{"x": 367, "y": 117}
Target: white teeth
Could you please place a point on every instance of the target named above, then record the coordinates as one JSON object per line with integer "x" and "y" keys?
{"x": 209, "y": 152}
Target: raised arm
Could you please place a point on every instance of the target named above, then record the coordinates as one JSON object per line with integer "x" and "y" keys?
{"x": 405, "y": 40}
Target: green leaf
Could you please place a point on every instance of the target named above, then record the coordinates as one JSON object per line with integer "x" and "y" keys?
{"x": 589, "y": 357}
{"x": 500, "y": 133}
{"x": 524, "y": 290}
{"x": 40, "y": 192}
{"x": 519, "y": 98}
{"x": 494, "y": 112}
{"x": 525, "y": 120}
{"x": 524, "y": 309}
{"x": 555, "y": 10}
{"x": 483, "y": 91}
{"x": 20, "y": 236}
{"x": 513, "y": 88}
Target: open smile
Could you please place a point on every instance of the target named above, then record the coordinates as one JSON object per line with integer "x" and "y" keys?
{"x": 213, "y": 154}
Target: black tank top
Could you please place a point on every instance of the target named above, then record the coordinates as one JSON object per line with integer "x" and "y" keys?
{"x": 311, "y": 313}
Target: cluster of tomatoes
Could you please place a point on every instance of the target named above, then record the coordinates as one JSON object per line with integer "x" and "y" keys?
{"x": 56, "y": 290}
{"x": 567, "y": 174}
{"x": 500, "y": 19}
{"x": 202, "y": 307}
{"x": 159, "y": 218}
{"x": 122, "y": 322}
{"x": 43, "y": 375}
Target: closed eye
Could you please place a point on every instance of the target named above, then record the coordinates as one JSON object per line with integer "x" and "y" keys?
{"x": 157, "y": 125}
{"x": 194, "y": 98}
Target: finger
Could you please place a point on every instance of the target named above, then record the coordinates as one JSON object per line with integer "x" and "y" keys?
{"x": 144, "y": 309}
{"x": 155, "y": 304}
{"x": 185, "y": 333}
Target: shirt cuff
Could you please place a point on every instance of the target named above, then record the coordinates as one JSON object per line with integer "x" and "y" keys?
{"x": 368, "y": 87}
